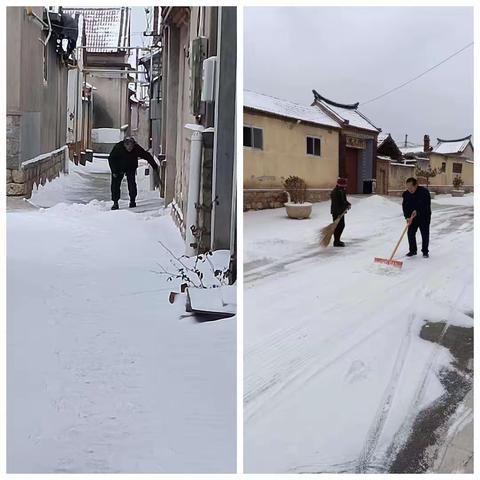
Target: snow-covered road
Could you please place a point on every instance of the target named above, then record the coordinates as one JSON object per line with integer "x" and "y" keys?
{"x": 103, "y": 374}
{"x": 335, "y": 370}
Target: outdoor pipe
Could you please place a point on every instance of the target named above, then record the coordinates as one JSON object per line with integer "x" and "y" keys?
{"x": 193, "y": 190}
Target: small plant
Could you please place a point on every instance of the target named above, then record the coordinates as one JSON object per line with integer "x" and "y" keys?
{"x": 296, "y": 189}
{"x": 427, "y": 173}
{"x": 457, "y": 182}
{"x": 198, "y": 271}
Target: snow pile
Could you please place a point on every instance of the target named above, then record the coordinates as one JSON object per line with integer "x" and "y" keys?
{"x": 334, "y": 366}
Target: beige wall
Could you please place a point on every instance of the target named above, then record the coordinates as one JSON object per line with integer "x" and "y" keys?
{"x": 397, "y": 177}
{"x": 284, "y": 154}
{"x": 447, "y": 177}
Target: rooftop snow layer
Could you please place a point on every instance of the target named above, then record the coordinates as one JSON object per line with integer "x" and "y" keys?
{"x": 285, "y": 108}
{"x": 107, "y": 29}
{"x": 446, "y": 147}
{"x": 352, "y": 116}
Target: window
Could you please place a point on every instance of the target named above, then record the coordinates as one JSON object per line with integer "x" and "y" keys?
{"x": 313, "y": 146}
{"x": 253, "y": 137}
{"x": 457, "y": 168}
{"x": 444, "y": 167}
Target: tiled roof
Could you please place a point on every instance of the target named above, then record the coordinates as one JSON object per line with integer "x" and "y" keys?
{"x": 285, "y": 108}
{"x": 107, "y": 29}
{"x": 450, "y": 147}
{"x": 348, "y": 114}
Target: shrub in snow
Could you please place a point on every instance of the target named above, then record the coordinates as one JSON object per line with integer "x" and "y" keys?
{"x": 427, "y": 174}
{"x": 296, "y": 189}
{"x": 457, "y": 182}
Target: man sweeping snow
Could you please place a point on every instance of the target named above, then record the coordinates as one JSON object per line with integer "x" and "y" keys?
{"x": 417, "y": 211}
{"x": 123, "y": 160}
{"x": 339, "y": 204}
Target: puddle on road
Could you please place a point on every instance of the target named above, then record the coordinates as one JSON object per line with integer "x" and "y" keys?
{"x": 429, "y": 426}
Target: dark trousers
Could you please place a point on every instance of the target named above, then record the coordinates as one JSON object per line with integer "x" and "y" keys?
{"x": 340, "y": 227}
{"x": 132, "y": 185}
{"x": 424, "y": 227}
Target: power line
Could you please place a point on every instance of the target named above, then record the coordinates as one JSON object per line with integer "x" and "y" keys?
{"x": 418, "y": 76}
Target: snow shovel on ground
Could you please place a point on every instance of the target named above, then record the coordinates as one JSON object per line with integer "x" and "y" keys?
{"x": 390, "y": 261}
{"x": 327, "y": 232}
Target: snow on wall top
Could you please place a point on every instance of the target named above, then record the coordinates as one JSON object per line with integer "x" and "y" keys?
{"x": 448, "y": 147}
{"x": 285, "y": 108}
{"x": 106, "y": 29}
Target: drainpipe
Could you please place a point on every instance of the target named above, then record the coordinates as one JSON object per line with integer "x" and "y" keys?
{"x": 193, "y": 188}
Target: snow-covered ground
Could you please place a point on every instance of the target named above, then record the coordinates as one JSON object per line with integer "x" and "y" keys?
{"x": 103, "y": 374}
{"x": 335, "y": 370}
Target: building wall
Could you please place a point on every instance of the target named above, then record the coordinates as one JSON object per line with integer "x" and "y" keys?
{"x": 36, "y": 107}
{"x": 446, "y": 179}
{"x": 397, "y": 176}
{"x": 140, "y": 124}
{"x": 284, "y": 154}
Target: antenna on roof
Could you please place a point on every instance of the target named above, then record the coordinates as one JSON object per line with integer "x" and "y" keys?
{"x": 406, "y": 137}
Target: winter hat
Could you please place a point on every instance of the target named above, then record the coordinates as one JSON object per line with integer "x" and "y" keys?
{"x": 129, "y": 141}
{"x": 341, "y": 182}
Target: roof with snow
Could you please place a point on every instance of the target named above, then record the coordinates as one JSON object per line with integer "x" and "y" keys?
{"x": 107, "y": 29}
{"x": 381, "y": 138}
{"x": 345, "y": 114}
{"x": 285, "y": 108}
{"x": 452, "y": 147}
{"x": 412, "y": 149}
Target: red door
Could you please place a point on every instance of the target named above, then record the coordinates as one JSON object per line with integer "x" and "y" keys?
{"x": 351, "y": 169}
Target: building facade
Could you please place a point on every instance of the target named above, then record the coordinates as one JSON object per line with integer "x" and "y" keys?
{"x": 197, "y": 136}
{"x": 357, "y": 143}
{"x": 452, "y": 158}
{"x": 280, "y": 139}
{"x": 38, "y": 49}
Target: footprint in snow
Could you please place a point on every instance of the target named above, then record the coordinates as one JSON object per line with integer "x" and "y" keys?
{"x": 358, "y": 371}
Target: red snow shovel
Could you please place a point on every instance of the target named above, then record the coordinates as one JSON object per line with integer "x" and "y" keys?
{"x": 390, "y": 261}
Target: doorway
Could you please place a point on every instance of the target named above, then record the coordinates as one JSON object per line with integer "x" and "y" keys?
{"x": 351, "y": 169}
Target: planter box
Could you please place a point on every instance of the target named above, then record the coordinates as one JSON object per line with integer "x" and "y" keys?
{"x": 458, "y": 193}
{"x": 298, "y": 210}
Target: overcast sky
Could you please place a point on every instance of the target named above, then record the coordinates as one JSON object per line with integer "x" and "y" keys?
{"x": 351, "y": 54}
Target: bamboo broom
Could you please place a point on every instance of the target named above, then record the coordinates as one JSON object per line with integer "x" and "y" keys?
{"x": 327, "y": 232}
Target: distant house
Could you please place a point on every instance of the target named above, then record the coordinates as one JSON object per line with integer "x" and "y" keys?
{"x": 282, "y": 138}
{"x": 39, "y": 44}
{"x": 106, "y": 67}
{"x": 452, "y": 158}
{"x": 357, "y": 143}
{"x": 391, "y": 169}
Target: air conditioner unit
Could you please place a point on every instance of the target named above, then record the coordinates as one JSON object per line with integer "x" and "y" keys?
{"x": 208, "y": 79}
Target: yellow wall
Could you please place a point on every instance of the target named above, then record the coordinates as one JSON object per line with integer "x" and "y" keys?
{"x": 447, "y": 177}
{"x": 284, "y": 154}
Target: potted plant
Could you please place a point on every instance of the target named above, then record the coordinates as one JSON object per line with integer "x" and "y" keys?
{"x": 458, "y": 191}
{"x": 427, "y": 174}
{"x": 296, "y": 190}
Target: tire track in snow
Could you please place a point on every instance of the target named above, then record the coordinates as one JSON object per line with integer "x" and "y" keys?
{"x": 403, "y": 433}
{"x": 381, "y": 416}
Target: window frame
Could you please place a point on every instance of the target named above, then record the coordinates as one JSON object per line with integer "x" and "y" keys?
{"x": 453, "y": 168}
{"x": 252, "y": 147}
{"x": 313, "y": 145}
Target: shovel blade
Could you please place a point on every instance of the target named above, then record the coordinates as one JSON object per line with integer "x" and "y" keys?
{"x": 386, "y": 261}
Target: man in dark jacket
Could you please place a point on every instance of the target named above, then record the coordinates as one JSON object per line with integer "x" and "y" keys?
{"x": 339, "y": 204}
{"x": 417, "y": 211}
{"x": 123, "y": 160}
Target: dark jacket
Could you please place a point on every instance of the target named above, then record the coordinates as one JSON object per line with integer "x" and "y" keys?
{"x": 121, "y": 160}
{"x": 339, "y": 201}
{"x": 419, "y": 201}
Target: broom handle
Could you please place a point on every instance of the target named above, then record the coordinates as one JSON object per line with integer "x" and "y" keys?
{"x": 337, "y": 220}
{"x": 398, "y": 243}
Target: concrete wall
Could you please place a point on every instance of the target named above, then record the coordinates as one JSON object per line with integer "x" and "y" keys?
{"x": 36, "y": 106}
{"x": 397, "y": 177}
{"x": 140, "y": 124}
{"x": 284, "y": 154}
